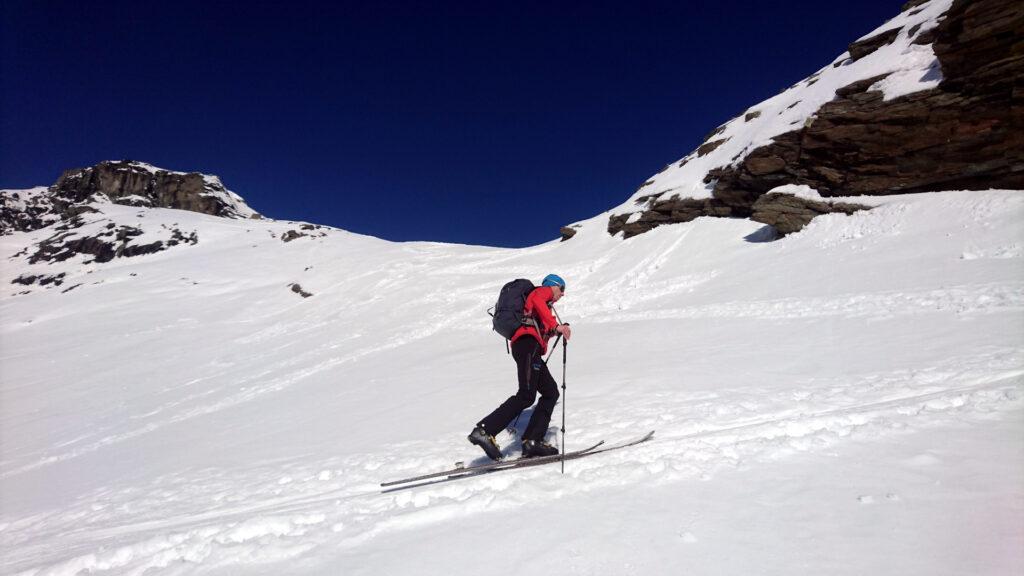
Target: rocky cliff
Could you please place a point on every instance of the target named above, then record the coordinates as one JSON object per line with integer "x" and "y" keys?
{"x": 121, "y": 182}
{"x": 73, "y": 211}
{"x": 930, "y": 101}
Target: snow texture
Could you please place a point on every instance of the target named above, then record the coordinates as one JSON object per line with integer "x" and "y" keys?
{"x": 846, "y": 400}
{"x": 19, "y": 200}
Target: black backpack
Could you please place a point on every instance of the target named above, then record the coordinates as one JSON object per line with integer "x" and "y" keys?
{"x": 508, "y": 311}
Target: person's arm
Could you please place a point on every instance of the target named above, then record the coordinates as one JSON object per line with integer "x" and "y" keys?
{"x": 538, "y": 303}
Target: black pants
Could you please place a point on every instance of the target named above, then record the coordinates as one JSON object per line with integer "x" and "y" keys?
{"x": 533, "y": 378}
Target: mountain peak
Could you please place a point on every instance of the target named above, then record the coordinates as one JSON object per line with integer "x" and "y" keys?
{"x": 922, "y": 103}
{"x": 136, "y": 183}
{"x": 125, "y": 182}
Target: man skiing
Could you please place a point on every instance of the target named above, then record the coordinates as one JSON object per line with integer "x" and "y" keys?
{"x": 529, "y": 344}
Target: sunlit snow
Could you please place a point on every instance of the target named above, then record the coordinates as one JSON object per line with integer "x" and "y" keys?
{"x": 846, "y": 400}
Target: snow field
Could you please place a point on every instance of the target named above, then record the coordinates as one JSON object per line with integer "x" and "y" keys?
{"x": 859, "y": 382}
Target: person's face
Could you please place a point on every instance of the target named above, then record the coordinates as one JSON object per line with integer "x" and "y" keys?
{"x": 556, "y": 293}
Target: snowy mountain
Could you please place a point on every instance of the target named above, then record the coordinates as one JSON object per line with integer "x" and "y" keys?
{"x": 190, "y": 389}
{"x": 928, "y": 101}
{"x": 856, "y": 385}
{"x": 62, "y": 209}
{"x": 125, "y": 182}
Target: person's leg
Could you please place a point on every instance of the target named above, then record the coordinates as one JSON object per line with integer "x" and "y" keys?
{"x": 548, "y": 388}
{"x": 524, "y": 351}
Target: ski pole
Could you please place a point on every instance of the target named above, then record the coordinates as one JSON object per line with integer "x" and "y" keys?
{"x": 565, "y": 346}
{"x": 553, "y": 348}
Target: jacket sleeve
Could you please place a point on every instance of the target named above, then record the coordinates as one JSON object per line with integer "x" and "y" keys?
{"x": 538, "y": 304}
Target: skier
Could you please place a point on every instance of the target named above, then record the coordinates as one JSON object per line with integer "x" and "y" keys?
{"x": 529, "y": 344}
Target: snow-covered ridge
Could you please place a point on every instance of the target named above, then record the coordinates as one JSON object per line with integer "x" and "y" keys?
{"x": 135, "y": 164}
{"x": 64, "y": 210}
{"x": 139, "y": 183}
{"x": 95, "y": 215}
{"x": 908, "y": 68}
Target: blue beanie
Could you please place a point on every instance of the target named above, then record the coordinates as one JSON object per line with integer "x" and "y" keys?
{"x": 553, "y": 280}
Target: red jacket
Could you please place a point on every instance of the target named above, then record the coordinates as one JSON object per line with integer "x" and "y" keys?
{"x": 537, "y": 308}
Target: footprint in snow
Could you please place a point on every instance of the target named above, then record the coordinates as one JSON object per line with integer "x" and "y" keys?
{"x": 688, "y": 538}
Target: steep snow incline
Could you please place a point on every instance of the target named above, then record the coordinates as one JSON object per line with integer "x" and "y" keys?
{"x": 908, "y": 67}
{"x": 847, "y": 400}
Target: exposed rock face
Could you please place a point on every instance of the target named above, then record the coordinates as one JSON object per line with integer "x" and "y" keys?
{"x": 298, "y": 290}
{"x": 71, "y": 205}
{"x": 123, "y": 182}
{"x": 110, "y": 241}
{"x": 788, "y": 213}
{"x": 709, "y": 147}
{"x": 668, "y": 211}
{"x": 25, "y": 210}
{"x": 138, "y": 184}
{"x": 42, "y": 279}
{"x": 910, "y": 4}
{"x": 966, "y": 134}
{"x": 864, "y": 47}
{"x": 309, "y": 230}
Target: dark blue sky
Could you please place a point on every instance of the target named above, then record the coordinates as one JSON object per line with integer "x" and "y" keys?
{"x": 477, "y": 122}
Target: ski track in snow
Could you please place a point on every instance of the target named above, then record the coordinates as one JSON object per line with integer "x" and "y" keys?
{"x": 291, "y": 370}
{"x": 279, "y": 346}
{"x": 961, "y": 300}
{"x": 742, "y": 354}
{"x": 282, "y": 511}
{"x": 970, "y": 299}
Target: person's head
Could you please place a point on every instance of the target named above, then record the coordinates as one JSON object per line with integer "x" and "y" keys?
{"x": 557, "y": 285}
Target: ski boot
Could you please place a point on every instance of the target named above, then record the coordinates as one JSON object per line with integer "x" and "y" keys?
{"x": 481, "y": 438}
{"x": 534, "y": 448}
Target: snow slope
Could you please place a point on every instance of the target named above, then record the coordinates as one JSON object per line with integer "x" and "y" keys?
{"x": 847, "y": 400}
{"x": 907, "y": 67}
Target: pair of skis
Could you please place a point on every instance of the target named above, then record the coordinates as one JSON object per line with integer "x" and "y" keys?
{"x": 467, "y": 471}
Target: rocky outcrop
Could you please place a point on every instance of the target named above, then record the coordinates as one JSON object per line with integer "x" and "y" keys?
{"x": 122, "y": 182}
{"x": 138, "y": 184}
{"x": 309, "y": 230}
{"x": 710, "y": 147}
{"x": 788, "y": 213}
{"x": 70, "y": 208}
{"x": 911, "y": 4}
{"x": 42, "y": 279}
{"x": 297, "y": 288}
{"x": 667, "y": 211}
{"x": 965, "y": 134}
{"x": 110, "y": 241}
{"x": 26, "y": 210}
{"x": 862, "y": 48}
